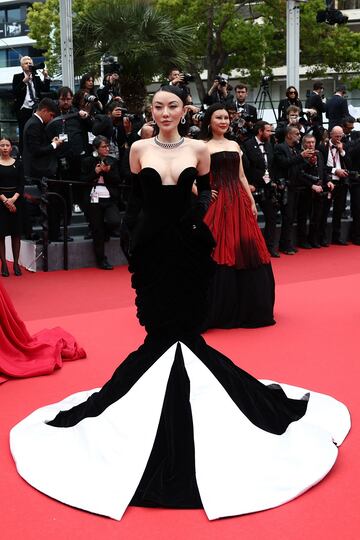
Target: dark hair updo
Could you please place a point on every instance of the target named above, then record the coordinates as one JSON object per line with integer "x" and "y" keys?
{"x": 179, "y": 92}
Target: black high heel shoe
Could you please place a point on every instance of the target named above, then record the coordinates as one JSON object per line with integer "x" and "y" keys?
{"x": 4, "y": 270}
{"x": 17, "y": 271}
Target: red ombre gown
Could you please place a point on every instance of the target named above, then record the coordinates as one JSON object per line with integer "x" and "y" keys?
{"x": 22, "y": 355}
{"x": 242, "y": 292}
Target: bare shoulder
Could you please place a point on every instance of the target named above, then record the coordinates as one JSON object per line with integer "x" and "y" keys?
{"x": 234, "y": 147}
{"x": 141, "y": 144}
{"x": 199, "y": 146}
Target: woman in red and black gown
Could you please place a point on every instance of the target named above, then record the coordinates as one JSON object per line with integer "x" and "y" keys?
{"x": 242, "y": 292}
{"x": 22, "y": 355}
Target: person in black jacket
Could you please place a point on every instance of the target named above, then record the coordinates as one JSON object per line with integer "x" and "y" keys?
{"x": 312, "y": 190}
{"x": 337, "y": 163}
{"x": 100, "y": 172}
{"x": 259, "y": 170}
{"x": 315, "y": 101}
{"x": 40, "y": 156}
{"x": 337, "y": 107}
{"x": 72, "y": 126}
{"x": 27, "y": 89}
{"x": 351, "y": 142}
{"x": 292, "y": 98}
{"x": 287, "y": 159}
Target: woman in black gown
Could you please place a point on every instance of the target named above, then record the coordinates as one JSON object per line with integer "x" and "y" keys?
{"x": 178, "y": 424}
{"x": 11, "y": 190}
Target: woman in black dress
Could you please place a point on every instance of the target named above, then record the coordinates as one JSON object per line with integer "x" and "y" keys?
{"x": 178, "y": 425}
{"x": 292, "y": 98}
{"x": 11, "y": 190}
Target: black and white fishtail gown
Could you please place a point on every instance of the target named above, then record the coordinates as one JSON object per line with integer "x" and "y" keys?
{"x": 178, "y": 425}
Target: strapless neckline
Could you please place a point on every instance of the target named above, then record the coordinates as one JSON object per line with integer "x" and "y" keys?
{"x": 157, "y": 175}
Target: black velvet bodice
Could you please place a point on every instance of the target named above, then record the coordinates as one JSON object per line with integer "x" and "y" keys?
{"x": 171, "y": 251}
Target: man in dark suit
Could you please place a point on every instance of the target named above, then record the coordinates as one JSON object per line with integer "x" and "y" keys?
{"x": 337, "y": 107}
{"x": 40, "y": 154}
{"x": 315, "y": 101}
{"x": 351, "y": 142}
{"x": 27, "y": 89}
{"x": 287, "y": 160}
{"x": 312, "y": 190}
{"x": 260, "y": 174}
{"x": 337, "y": 162}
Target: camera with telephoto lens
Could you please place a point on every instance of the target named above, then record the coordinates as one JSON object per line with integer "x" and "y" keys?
{"x": 222, "y": 81}
{"x": 126, "y": 114}
{"x": 35, "y": 67}
{"x": 282, "y": 191}
{"x": 90, "y": 98}
{"x": 268, "y": 193}
{"x": 187, "y": 78}
{"x": 352, "y": 178}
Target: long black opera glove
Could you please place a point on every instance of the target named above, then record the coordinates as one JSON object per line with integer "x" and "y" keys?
{"x": 130, "y": 218}
{"x": 202, "y": 201}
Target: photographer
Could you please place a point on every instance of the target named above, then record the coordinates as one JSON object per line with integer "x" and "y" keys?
{"x": 293, "y": 118}
{"x": 337, "y": 163}
{"x": 110, "y": 90}
{"x": 86, "y": 98}
{"x": 100, "y": 172}
{"x": 71, "y": 126}
{"x": 179, "y": 79}
{"x": 351, "y": 142}
{"x": 287, "y": 160}
{"x": 218, "y": 92}
{"x": 27, "y": 89}
{"x": 259, "y": 171}
{"x": 312, "y": 187}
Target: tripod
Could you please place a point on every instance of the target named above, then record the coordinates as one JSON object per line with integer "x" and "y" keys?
{"x": 262, "y": 96}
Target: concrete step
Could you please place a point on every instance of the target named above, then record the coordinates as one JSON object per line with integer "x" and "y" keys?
{"x": 80, "y": 254}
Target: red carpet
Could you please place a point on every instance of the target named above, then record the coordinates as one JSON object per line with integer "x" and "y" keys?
{"x": 315, "y": 344}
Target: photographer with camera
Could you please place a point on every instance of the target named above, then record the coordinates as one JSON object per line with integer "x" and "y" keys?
{"x": 27, "y": 89}
{"x": 293, "y": 118}
{"x": 177, "y": 78}
{"x": 313, "y": 191}
{"x": 101, "y": 174}
{"x": 288, "y": 158}
{"x": 218, "y": 92}
{"x": 260, "y": 174}
{"x": 351, "y": 141}
{"x": 86, "y": 99}
{"x": 71, "y": 126}
{"x": 110, "y": 90}
{"x": 337, "y": 162}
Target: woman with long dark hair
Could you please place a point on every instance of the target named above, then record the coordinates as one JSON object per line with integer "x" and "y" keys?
{"x": 292, "y": 98}
{"x": 11, "y": 191}
{"x": 85, "y": 98}
{"x": 178, "y": 425}
{"x": 242, "y": 291}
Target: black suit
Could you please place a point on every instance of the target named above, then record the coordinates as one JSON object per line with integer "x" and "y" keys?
{"x": 338, "y": 195}
{"x": 40, "y": 159}
{"x": 314, "y": 101}
{"x": 310, "y": 203}
{"x": 336, "y": 110}
{"x": 284, "y": 104}
{"x": 352, "y": 147}
{"x": 19, "y": 89}
{"x": 255, "y": 167}
{"x": 287, "y": 162}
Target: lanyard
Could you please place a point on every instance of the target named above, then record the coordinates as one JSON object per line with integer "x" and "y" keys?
{"x": 333, "y": 155}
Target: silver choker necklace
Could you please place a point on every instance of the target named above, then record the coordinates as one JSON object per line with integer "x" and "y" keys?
{"x": 168, "y": 145}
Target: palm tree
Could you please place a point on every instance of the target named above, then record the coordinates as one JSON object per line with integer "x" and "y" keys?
{"x": 145, "y": 42}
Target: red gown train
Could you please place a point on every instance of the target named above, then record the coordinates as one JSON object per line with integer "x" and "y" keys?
{"x": 22, "y": 355}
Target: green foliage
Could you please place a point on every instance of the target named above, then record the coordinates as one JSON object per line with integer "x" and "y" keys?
{"x": 217, "y": 35}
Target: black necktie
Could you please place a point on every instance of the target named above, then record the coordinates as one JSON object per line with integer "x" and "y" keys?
{"x": 31, "y": 91}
